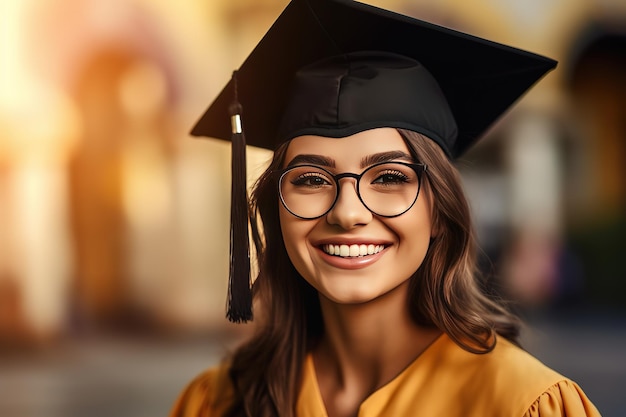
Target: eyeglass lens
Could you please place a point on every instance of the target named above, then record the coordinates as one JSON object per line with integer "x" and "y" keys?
{"x": 387, "y": 189}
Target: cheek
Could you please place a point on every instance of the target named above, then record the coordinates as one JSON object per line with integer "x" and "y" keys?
{"x": 294, "y": 232}
{"x": 415, "y": 239}
{"x": 412, "y": 251}
{"x": 415, "y": 230}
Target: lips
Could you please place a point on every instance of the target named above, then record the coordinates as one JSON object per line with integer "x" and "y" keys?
{"x": 351, "y": 251}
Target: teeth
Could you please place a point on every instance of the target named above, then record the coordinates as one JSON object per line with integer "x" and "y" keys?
{"x": 352, "y": 251}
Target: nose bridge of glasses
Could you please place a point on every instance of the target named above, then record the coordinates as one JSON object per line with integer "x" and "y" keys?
{"x": 355, "y": 193}
{"x": 343, "y": 175}
{"x": 347, "y": 175}
{"x": 348, "y": 209}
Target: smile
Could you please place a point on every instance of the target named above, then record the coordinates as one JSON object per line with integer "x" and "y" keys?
{"x": 352, "y": 251}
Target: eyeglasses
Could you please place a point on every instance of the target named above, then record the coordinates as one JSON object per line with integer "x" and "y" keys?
{"x": 387, "y": 189}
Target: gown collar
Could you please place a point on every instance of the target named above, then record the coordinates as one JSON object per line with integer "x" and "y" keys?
{"x": 311, "y": 404}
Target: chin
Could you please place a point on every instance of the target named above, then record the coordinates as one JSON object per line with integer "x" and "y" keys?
{"x": 356, "y": 296}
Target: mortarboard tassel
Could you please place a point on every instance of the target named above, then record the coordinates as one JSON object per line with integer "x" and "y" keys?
{"x": 239, "y": 305}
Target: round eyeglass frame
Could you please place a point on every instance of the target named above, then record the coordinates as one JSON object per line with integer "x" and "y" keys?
{"x": 417, "y": 167}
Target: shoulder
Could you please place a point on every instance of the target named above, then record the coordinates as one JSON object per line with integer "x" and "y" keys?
{"x": 564, "y": 398}
{"x": 209, "y": 394}
{"x": 510, "y": 381}
{"x": 511, "y": 363}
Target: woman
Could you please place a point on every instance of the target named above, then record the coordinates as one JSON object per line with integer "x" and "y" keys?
{"x": 368, "y": 299}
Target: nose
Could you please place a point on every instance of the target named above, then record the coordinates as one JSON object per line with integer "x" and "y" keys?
{"x": 348, "y": 211}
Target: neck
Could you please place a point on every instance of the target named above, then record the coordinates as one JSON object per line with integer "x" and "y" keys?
{"x": 371, "y": 342}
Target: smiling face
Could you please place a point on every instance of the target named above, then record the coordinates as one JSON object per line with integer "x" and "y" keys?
{"x": 351, "y": 255}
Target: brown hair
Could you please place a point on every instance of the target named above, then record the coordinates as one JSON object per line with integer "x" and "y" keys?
{"x": 445, "y": 291}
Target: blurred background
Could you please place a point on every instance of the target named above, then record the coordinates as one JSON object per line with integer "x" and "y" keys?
{"x": 114, "y": 222}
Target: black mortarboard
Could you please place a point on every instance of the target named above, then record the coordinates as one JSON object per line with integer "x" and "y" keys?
{"x": 336, "y": 67}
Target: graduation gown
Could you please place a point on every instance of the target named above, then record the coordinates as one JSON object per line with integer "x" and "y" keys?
{"x": 444, "y": 380}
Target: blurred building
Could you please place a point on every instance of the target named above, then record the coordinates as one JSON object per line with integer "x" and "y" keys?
{"x": 112, "y": 217}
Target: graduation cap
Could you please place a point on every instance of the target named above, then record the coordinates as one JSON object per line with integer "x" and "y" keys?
{"x": 336, "y": 67}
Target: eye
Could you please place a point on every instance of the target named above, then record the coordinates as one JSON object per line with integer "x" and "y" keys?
{"x": 310, "y": 179}
{"x": 390, "y": 177}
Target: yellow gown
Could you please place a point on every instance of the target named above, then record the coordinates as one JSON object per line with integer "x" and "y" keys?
{"x": 444, "y": 380}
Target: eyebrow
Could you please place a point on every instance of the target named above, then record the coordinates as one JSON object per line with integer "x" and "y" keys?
{"x": 365, "y": 161}
{"x": 313, "y": 160}
{"x": 385, "y": 157}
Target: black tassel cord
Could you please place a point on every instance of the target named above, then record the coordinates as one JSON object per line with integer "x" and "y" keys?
{"x": 239, "y": 305}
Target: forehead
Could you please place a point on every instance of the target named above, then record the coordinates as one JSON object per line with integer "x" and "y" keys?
{"x": 349, "y": 150}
